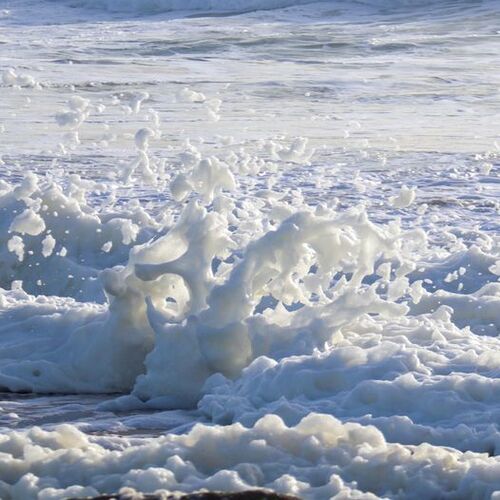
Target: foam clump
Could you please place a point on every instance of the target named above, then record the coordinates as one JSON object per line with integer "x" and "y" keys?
{"x": 348, "y": 460}
{"x": 404, "y": 198}
{"x": 28, "y": 222}
{"x": 188, "y": 95}
{"x": 39, "y": 224}
{"x": 12, "y": 78}
{"x": 78, "y": 110}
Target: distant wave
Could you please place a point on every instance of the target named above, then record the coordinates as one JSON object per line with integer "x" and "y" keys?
{"x": 233, "y": 6}
{"x": 156, "y": 6}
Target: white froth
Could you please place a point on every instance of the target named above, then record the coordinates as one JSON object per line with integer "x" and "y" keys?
{"x": 215, "y": 263}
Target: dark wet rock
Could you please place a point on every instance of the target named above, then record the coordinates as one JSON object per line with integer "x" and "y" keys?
{"x": 209, "y": 495}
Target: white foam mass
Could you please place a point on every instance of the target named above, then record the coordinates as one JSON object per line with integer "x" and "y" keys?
{"x": 48, "y": 245}
{"x": 318, "y": 458}
{"x": 13, "y": 78}
{"x": 242, "y": 309}
{"x": 311, "y": 309}
{"x": 188, "y": 95}
{"x": 27, "y": 222}
{"x": 404, "y": 198}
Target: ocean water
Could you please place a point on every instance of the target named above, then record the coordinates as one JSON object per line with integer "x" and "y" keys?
{"x": 250, "y": 244}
